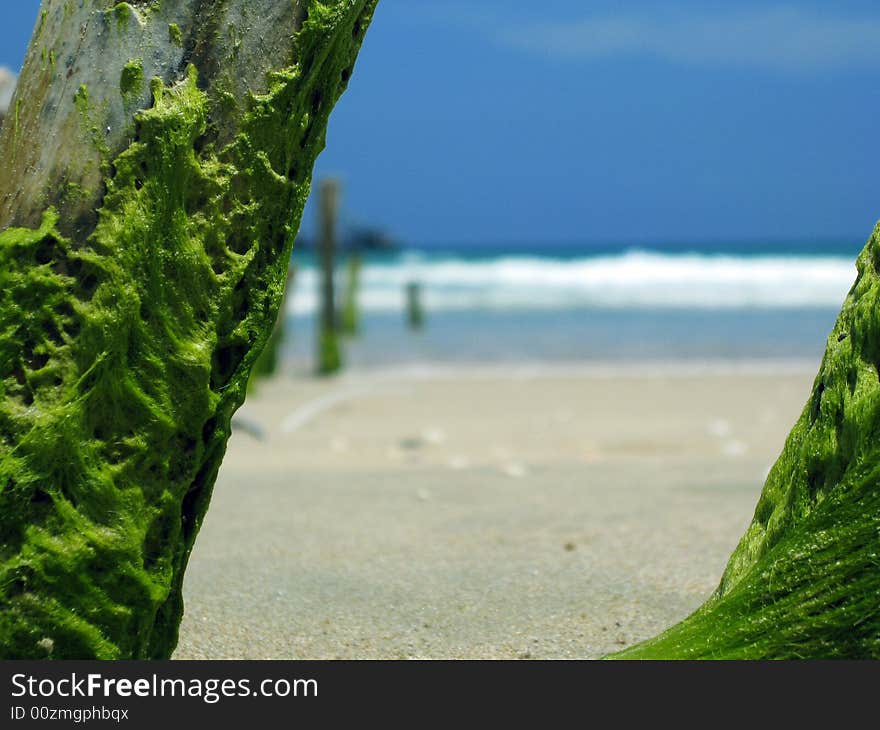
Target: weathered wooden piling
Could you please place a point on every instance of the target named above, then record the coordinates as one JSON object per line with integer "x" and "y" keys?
{"x": 415, "y": 314}
{"x": 349, "y": 315}
{"x": 146, "y": 226}
{"x": 267, "y": 363}
{"x": 329, "y": 357}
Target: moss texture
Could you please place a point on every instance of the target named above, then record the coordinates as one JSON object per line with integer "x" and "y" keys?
{"x": 131, "y": 80}
{"x": 175, "y": 34}
{"x": 804, "y": 581}
{"x": 123, "y": 359}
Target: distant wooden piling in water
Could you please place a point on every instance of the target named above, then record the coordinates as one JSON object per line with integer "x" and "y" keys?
{"x": 267, "y": 363}
{"x": 415, "y": 314}
{"x": 329, "y": 358}
{"x": 349, "y": 317}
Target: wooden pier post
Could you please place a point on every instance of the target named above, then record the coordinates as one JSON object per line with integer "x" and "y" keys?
{"x": 329, "y": 358}
{"x": 267, "y": 363}
{"x": 349, "y": 316}
{"x": 414, "y": 312}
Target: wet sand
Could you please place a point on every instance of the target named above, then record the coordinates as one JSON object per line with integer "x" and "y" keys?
{"x": 482, "y": 512}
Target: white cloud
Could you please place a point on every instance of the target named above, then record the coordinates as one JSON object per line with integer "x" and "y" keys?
{"x": 781, "y": 38}
{"x": 7, "y": 86}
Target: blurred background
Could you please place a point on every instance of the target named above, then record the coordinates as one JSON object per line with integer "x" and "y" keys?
{"x": 577, "y": 263}
{"x": 571, "y": 183}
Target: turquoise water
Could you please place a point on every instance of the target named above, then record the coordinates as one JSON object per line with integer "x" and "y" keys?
{"x": 718, "y": 302}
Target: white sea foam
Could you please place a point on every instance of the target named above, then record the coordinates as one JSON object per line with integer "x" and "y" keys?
{"x": 630, "y": 280}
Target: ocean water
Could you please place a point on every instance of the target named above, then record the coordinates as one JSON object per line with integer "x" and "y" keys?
{"x": 598, "y": 304}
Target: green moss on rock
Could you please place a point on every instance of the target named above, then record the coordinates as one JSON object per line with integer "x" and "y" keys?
{"x": 804, "y": 581}
{"x": 123, "y": 13}
{"x": 123, "y": 359}
{"x": 175, "y": 34}
{"x": 131, "y": 80}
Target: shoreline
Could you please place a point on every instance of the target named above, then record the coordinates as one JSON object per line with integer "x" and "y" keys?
{"x": 556, "y": 369}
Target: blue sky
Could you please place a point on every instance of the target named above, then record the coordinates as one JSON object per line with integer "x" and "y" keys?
{"x": 570, "y": 122}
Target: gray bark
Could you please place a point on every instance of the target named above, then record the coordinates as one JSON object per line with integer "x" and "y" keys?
{"x": 54, "y": 149}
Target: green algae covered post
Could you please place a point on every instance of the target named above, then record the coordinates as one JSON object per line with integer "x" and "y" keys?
{"x": 804, "y": 582}
{"x": 267, "y": 363}
{"x": 142, "y": 265}
{"x": 329, "y": 356}
{"x": 350, "y": 319}
{"x": 415, "y": 314}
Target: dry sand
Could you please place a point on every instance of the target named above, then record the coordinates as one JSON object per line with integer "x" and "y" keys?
{"x": 481, "y": 513}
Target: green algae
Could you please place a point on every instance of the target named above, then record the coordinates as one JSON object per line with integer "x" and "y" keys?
{"x": 123, "y": 358}
{"x": 131, "y": 80}
{"x": 329, "y": 353}
{"x": 90, "y": 123}
{"x": 175, "y": 34}
{"x": 804, "y": 581}
{"x": 123, "y": 13}
{"x": 41, "y": 23}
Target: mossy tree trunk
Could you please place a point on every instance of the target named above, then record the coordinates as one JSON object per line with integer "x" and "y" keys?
{"x": 157, "y": 158}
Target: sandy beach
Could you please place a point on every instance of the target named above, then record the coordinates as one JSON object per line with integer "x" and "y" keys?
{"x": 495, "y": 512}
